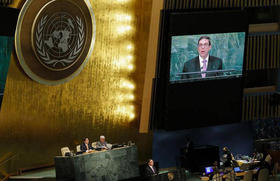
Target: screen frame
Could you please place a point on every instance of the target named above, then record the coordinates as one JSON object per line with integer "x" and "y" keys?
{"x": 161, "y": 82}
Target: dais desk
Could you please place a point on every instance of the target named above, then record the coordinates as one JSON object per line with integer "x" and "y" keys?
{"x": 111, "y": 165}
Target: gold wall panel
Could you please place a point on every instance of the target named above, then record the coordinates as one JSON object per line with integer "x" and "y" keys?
{"x": 258, "y": 107}
{"x": 263, "y": 51}
{"x": 37, "y": 120}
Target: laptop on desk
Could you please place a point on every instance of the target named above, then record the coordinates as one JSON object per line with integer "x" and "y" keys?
{"x": 208, "y": 170}
{"x": 237, "y": 170}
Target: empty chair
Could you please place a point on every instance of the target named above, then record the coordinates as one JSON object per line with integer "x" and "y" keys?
{"x": 109, "y": 146}
{"x": 263, "y": 174}
{"x": 78, "y": 148}
{"x": 248, "y": 176}
{"x": 65, "y": 150}
{"x": 93, "y": 145}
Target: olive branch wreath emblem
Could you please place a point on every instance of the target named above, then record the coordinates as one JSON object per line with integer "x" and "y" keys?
{"x": 44, "y": 55}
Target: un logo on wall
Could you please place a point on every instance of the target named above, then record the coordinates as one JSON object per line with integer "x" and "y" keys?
{"x": 55, "y": 47}
{"x": 59, "y": 40}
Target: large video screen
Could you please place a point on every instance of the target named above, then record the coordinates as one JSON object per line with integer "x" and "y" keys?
{"x": 206, "y": 56}
{"x": 199, "y": 81}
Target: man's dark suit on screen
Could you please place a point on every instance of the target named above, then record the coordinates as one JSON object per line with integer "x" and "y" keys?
{"x": 193, "y": 65}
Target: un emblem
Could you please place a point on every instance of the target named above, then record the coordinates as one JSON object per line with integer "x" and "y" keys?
{"x": 61, "y": 39}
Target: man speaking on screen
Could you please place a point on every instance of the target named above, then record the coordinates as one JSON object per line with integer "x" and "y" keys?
{"x": 203, "y": 62}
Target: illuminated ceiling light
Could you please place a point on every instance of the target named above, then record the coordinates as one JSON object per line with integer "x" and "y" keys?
{"x": 123, "y": 17}
{"x": 131, "y": 107}
{"x": 130, "y": 67}
{"x": 129, "y": 47}
{"x": 123, "y": 62}
{"x": 127, "y": 18}
{"x": 123, "y": 29}
{"x": 122, "y": 1}
{"x": 125, "y": 97}
{"x": 121, "y": 110}
{"x": 130, "y": 86}
{"x": 130, "y": 97}
{"x": 127, "y": 85}
{"x": 129, "y": 57}
{"x": 127, "y": 28}
{"x": 131, "y": 115}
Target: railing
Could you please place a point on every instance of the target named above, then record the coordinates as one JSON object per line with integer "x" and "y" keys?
{"x": 3, "y": 161}
{"x": 6, "y": 178}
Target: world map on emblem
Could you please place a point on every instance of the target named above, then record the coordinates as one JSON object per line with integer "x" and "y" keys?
{"x": 58, "y": 40}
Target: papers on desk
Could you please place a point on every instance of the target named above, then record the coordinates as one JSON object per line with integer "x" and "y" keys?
{"x": 242, "y": 161}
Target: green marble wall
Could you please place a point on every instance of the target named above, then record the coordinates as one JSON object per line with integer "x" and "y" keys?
{"x": 227, "y": 46}
{"x": 6, "y": 46}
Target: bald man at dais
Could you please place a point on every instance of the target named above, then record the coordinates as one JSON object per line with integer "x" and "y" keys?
{"x": 102, "y": 144}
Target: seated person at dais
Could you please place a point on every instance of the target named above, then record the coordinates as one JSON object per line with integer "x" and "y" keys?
{"x": 102, "y": 144}
{"x": 257, "y": 156}
{"x": 85, "y": 146}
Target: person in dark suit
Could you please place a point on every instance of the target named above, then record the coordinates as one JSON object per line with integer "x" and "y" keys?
{"x": 150, "y": 169}
{"x": 85, "y": 146}
{"x": 203, "y": 62}
{"x": 227, "y": 157}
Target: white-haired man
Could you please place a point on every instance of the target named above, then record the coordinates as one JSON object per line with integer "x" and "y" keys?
{"x": 102, "y": 144}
